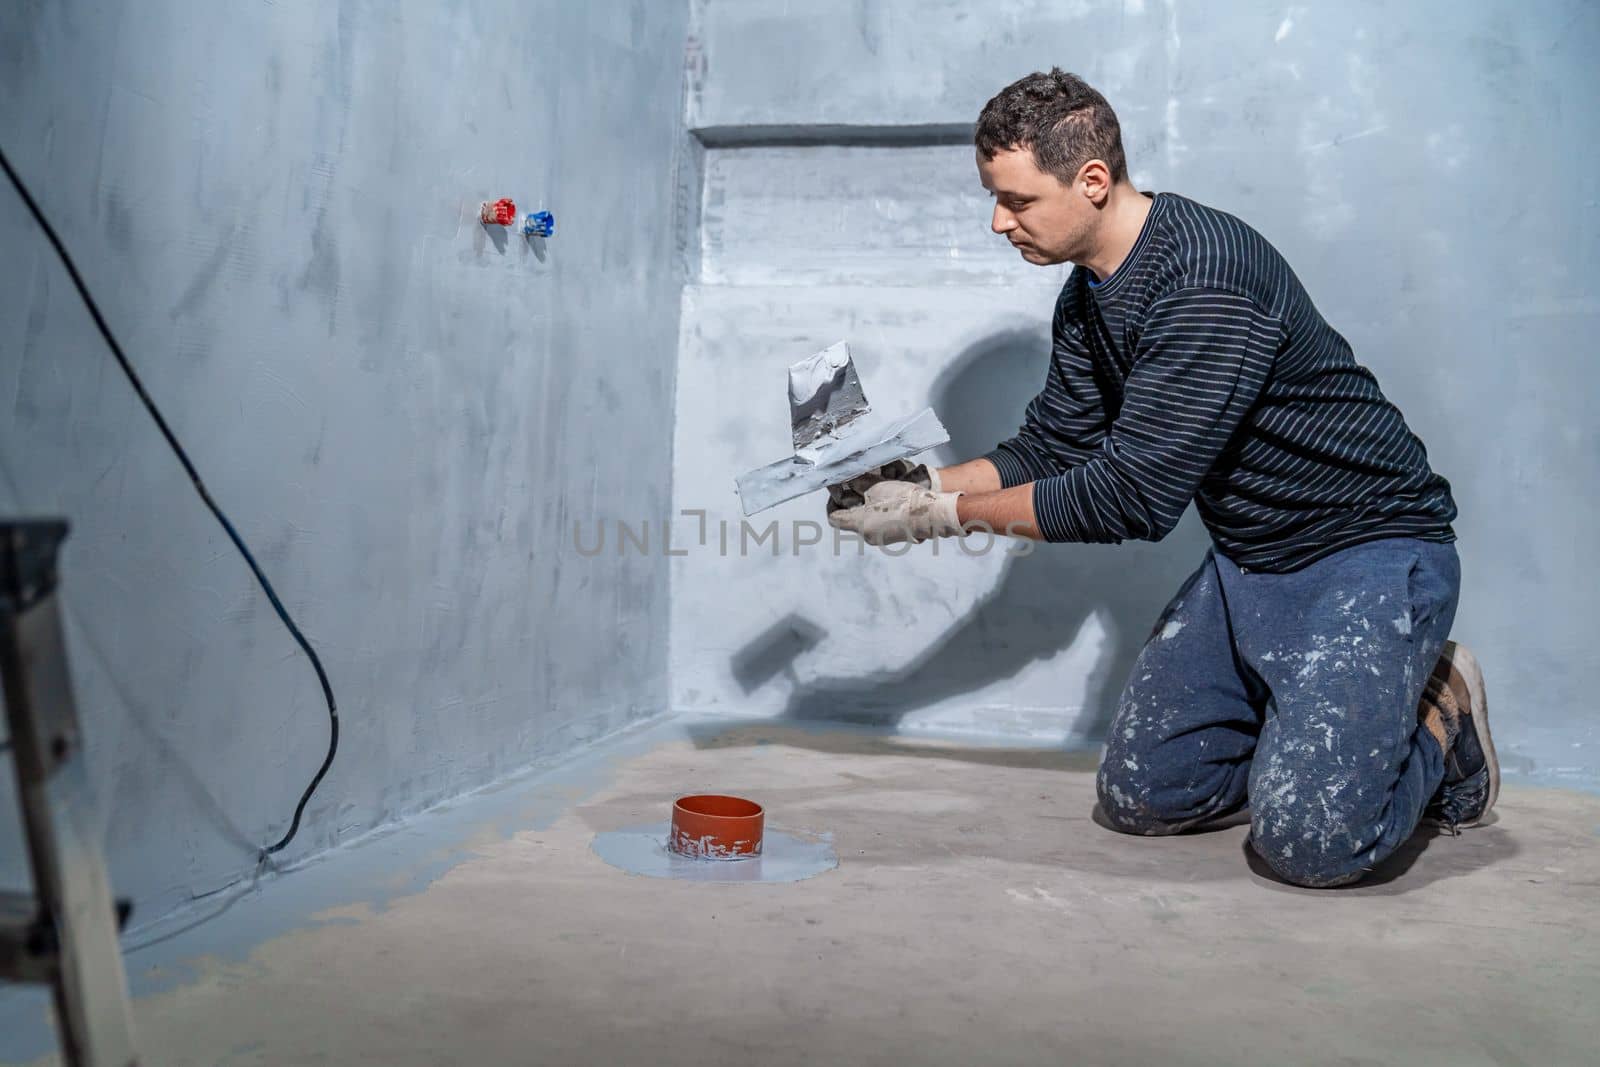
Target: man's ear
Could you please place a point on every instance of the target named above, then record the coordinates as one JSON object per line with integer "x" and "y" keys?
{"x": 1095, "y": 178}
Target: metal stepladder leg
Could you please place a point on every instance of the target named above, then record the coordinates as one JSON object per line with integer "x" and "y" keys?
{"x": 66, "y": 935}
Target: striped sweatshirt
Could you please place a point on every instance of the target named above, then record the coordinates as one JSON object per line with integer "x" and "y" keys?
{"x": 1200, "y": 370}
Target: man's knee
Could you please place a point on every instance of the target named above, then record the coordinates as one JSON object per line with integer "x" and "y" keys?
{"x": 1141, "y": 803}
{"x": 1313, "y": 851}
{"x": 1128, "y": 809}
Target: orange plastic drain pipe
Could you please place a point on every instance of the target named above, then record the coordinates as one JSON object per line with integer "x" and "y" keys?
{"x": 710, "y": 826}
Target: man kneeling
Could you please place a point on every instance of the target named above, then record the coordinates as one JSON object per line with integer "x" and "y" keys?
{"x": 1303, "y": 670}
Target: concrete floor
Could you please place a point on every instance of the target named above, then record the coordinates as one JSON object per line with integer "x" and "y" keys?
{"x": 978, "y": 916}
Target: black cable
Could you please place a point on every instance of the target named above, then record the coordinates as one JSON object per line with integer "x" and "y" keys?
{"x": 199, "y": 486}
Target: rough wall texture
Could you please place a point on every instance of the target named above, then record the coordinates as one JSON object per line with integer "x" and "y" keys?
{"x": 1429, "y": 170}
{"x": 402, "y": 411}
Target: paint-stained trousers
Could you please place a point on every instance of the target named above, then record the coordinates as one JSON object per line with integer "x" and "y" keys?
{"x": 1295, "y": 694}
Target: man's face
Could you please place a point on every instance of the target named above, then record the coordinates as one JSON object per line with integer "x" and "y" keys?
{"x": 1043, "y": 218}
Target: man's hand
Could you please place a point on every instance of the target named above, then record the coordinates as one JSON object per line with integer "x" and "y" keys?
{"x": 853, "y": 494}
{"x": 893, "y": 512}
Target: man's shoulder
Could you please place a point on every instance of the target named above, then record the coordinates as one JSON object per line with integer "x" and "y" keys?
{"x": 1201, "y": 247}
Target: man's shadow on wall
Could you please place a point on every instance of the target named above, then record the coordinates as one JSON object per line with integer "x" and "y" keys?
{"x": 1039, "y": 603}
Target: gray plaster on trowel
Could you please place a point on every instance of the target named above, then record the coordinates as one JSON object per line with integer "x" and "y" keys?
{"x": 825, "y": 396}
{"x": 834, "y": 439}
{"x": 784, "y": 857}
{"x": 834, "y": 460}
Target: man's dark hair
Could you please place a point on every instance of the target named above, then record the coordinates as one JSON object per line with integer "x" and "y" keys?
{"x": 1060, "y": 118}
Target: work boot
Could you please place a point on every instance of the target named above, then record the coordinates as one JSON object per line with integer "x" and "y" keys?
{"x": 1455, "y": 711}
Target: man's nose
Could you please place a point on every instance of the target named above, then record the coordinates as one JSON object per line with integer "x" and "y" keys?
{"x": 1003, "y": 221}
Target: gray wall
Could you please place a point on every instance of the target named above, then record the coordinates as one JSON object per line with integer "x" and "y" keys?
{"x": 1431, "y": 172}
{"x": 403, "y": 412}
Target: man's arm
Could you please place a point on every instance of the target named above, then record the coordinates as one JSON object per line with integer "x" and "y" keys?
{"x": 986, "y": 503}
{"x": 1206, "y": 356}
{"x": 1064, "y": 425}
{"x": 1003, "y": 511}
{"x": 1202, "y": 360}
{"x": 1061, "y": 428}
{"x": 1201, "y": 363}
{"x": 974, "y": 476}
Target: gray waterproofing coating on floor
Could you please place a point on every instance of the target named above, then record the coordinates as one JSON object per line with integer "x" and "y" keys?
{"x": 489, "y": 931}
{"x": 783, "y": 858}
{"x": 834, "y": 460}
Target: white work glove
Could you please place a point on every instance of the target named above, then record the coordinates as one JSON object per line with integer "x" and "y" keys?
{"x": 853, "y": 493}
{"x": 899, "y": 511}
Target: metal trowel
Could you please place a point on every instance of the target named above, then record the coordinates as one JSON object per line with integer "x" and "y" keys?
{"x": 835, "y": 436}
